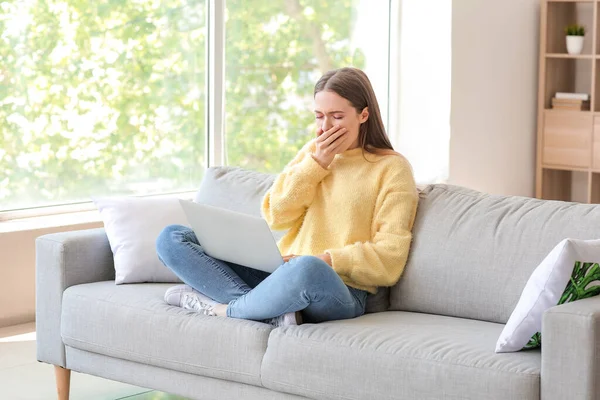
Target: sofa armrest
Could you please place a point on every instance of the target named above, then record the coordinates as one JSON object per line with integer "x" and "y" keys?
{"x": 63, "y": 260}
{"x": 571, "y": 351}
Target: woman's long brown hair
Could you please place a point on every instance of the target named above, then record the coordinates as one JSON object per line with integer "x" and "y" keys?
{"x": 354, "y": 85}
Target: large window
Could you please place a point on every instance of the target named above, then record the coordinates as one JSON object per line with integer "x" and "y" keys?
{"x": 424, "y": 63}
{"x": 97, "y": 98}
{"x": 275, "y": 52}
{"x": 111, "y": 97}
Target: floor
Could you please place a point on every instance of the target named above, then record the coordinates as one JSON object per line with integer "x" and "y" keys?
{"x": 22, "y": 377}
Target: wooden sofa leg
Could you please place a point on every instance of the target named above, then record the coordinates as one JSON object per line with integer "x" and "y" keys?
{"x": 63, "y": 382}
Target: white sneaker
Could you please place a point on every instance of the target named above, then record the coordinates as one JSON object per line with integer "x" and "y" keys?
{"x": 291, "y": 318}
{"x": 188, "y": 298}
{"x": 174, "y": 293}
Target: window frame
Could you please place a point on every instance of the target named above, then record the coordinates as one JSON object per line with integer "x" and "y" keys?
{"x": 214, "y": 108}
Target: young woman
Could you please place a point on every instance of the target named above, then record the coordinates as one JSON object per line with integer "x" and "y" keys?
{"x": 348, "y": 202}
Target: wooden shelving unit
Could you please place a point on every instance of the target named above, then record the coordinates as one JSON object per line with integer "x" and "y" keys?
{"x": 568, "y": 142}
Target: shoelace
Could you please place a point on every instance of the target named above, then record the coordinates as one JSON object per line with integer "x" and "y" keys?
{"x": 193, "y": 303}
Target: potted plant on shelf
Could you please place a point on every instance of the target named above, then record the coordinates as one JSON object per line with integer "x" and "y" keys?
{"x": 575, "y": 34}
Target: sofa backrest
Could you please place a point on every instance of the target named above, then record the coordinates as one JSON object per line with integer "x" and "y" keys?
{"x": 236, "y": 189}
{"x": 241, "y": 190}
{"x": 472, "y": 253}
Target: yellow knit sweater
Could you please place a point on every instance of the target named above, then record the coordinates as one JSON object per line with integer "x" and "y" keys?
{"x": 359, "y": 212}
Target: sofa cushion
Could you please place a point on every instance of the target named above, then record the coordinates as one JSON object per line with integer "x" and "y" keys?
{"x": 132, "y": 225}
{"x": 132, "y": 322}
{"x": 241, "y": 190}
{"x": 398, "y": 355}
{"x": 472, "y": 253}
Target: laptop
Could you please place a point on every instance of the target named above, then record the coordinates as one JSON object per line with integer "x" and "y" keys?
{"x": 234, "y": 237}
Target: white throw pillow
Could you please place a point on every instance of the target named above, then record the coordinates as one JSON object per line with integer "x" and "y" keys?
{"x": 572, "y": 264}
{"x": 132, "y": 225}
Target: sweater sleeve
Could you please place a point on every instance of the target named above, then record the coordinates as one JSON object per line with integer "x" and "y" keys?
{"x": 293, "y": 190}
{"x": 380, "y": 261}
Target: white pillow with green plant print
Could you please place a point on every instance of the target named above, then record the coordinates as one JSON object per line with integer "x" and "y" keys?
{"x": 570, "y": 272}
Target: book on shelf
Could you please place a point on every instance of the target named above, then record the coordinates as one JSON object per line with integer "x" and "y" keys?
{"x": 572, "y": 96}
{"x": 570, "y": 104}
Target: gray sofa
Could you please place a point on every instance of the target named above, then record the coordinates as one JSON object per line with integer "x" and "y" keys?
{"x": 471, "y": 256}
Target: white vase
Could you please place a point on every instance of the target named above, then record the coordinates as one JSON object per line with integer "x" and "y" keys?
{"x": 574, "y": 44}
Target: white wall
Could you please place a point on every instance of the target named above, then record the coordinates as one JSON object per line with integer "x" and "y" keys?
{"x": 494, "y": 95}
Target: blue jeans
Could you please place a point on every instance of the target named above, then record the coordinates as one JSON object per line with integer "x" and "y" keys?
{"x": 304, "y": 283}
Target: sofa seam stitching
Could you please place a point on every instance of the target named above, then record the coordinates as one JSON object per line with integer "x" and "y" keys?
{"x": 156, "y": 358}
{"x": 587, "y": 315}
{"x": 426, "y": 359}
{"x": 311, "y": 391}
{"x": 148, "y": 311}
{"x": 63, "y": 268}
{"x": 457, "y": 191}
{"x": 594, "y": 334}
